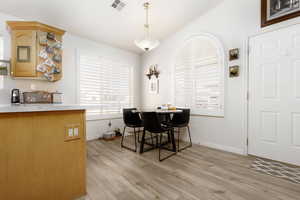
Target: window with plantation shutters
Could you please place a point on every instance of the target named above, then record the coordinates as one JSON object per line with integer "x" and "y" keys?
{"x": 199, "y": 76}
{"x": 105, "y": 83}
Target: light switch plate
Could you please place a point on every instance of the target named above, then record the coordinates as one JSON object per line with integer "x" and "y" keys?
{"x": 76, "y": 132}
{"x": 70, "y": 132}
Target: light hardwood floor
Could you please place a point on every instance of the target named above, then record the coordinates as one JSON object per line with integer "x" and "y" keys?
{"x": 197, "y": 173}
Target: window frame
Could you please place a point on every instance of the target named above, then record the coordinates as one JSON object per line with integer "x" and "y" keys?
{"x": 100, "y": 116}
{"x": 221, "y": 59}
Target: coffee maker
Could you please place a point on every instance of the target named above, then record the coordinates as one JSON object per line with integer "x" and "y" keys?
{"x": 15, "y": 96}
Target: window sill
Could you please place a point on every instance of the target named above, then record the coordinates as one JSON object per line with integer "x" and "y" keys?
{"x": 216, "y": 114}
{"x": 91, "y": 117}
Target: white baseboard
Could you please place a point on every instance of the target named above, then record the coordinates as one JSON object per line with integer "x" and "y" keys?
{"x": 223, "y": 148}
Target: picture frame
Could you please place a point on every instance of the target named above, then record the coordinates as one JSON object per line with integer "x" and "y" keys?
{"x": 234, "y": 54}
{"x": 154, "y": 86}
{"x": 23, "y": 53}
{"x": 276, "y": 11}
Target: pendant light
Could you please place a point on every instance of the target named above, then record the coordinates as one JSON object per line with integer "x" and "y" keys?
{"x": 147, "y": 43}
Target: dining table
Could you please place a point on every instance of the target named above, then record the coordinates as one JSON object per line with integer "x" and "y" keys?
{"x": 167, "y": 115}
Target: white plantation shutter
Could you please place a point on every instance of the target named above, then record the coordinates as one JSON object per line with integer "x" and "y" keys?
{"x": 199, "y": 78}
{"x": 1, "y": 47}
{"x": 105, "y": 83}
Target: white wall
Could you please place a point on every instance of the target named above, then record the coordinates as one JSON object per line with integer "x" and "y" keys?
{"x": 68, "y": 84}
{"x": 232, "y": 22}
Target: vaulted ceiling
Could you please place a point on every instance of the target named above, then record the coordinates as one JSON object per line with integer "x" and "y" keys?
{"x": 98, "y": 21}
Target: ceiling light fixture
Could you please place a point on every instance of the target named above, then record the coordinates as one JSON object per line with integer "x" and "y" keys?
{"x": 147, "y": 43}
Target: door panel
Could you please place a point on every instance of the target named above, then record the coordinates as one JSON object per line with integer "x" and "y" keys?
{"x": 270, "y": 84}
{"x": 274, "y": 104}
{"x": 269, "y": 127}
{"x": 296, "y": 129}
{"x": 296, "y": 78}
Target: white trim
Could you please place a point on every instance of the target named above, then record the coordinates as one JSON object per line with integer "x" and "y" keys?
{"x": 223, "y": 147}
{"x": 103, "y": 117}
{"x": 247, "y": 86}
{"x": 77, "y": 71}
{"x": 245, "y": 90}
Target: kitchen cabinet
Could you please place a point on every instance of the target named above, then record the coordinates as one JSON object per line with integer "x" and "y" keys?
{"x": 36, "y": 51}
{"x": 39, "y": 159}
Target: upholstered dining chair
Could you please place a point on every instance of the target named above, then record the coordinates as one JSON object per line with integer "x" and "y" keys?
{"x": 132, "y": 120}
{"x": 181, "y": 120}
{"x": 153, "y": 125}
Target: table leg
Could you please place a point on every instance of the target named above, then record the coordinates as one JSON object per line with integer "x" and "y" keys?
{"x": 142, "y": 142}
{"x": 173, "y": 140}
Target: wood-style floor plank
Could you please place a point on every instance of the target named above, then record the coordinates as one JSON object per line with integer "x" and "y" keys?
{"x": 198, "y": 173}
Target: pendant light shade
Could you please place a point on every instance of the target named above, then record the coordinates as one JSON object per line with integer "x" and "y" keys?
{"x": 147, "y": 43}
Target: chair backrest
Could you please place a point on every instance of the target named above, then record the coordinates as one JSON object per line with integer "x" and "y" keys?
{"x": 182, "y": 118}
{"x": 131, "y": 118}
{"x": 151, "y": 122}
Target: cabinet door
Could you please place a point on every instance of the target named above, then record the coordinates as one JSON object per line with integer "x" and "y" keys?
{"x": 24, "y": 53}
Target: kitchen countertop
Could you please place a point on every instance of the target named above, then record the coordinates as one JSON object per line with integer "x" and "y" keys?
{"x": 15, "y": 108}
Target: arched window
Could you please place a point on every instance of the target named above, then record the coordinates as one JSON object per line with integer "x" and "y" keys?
{"x": 199, "y": 76}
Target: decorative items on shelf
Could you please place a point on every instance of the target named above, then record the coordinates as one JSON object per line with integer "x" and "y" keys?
{"x": 153, "y": 71}
{"x": 50, "y": 55}
{"x": 4, "y": 67}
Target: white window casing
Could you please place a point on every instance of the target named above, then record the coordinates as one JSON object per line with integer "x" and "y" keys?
{"x": 199, "y": 76}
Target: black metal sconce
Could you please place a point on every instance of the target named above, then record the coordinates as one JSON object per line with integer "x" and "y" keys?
{"x": 153, "y": 72}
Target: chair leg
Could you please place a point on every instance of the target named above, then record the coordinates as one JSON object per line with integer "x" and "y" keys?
{"x": 191, "y": 144}
{"x": 190, "y": 138}
{"x": 128, "y": 148}
{"x": 173, "y": 140}
{"x": 123, "y": 135}
{"x": 135, "y": 144}
{"x": 142, "y": 142}
{"x": 178, "y": 140}
{"x": 152, "y": 139}
{"x": 159, "y": 146}
{"x": 171, "y": 133}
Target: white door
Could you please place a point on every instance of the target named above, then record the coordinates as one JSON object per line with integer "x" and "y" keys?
{"x": 274, "y": 95}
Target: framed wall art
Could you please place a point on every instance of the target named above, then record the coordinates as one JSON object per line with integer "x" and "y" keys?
{"x": 275, "y": 11}
{"x": 234, "y": 54}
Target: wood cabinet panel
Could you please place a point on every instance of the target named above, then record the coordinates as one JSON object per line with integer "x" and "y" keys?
{"x": 38, "y": 162}
{"x": 22, "y": 39}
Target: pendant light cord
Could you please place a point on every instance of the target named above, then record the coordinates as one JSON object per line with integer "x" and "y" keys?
{"x": 147, "y": 26}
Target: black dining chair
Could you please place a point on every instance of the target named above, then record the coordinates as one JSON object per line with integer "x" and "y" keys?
{"x": 152, "y": 124}
{"x": 132, "y": 120}
{"x": 181, "y": 120}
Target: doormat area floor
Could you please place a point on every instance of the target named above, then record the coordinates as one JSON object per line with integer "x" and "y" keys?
{"x": 277, "y": 169}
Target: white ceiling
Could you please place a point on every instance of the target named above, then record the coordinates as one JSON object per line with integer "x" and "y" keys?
{"x": 98, "y": 21}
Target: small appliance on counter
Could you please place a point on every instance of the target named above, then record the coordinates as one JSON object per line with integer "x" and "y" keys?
{"x": 15, "y": 96}
{"x": 57, "y": 98}
{"x": 42, "y": 97}
{"x": 37, "y": 97}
